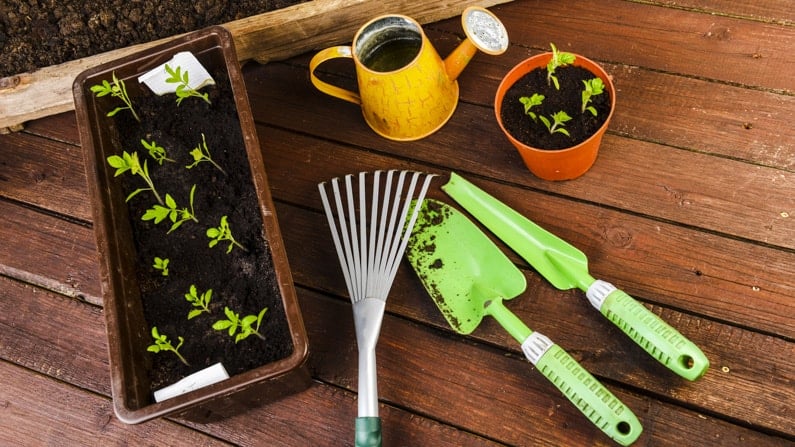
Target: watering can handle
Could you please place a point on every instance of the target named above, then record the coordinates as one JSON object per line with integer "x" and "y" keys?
{"x": 595, "y": 401}
{"x": 649, "y": 331}
{"x": 325, "y": 87}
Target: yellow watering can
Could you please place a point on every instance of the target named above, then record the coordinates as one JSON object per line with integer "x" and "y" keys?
{"x": 406, "y": 91}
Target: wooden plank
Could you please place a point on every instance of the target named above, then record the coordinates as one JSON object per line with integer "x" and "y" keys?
{"x": 658, "y": 261}
{"x": 52, "y": 253}
{"x": 684, "y": 112}
{"x": 664, "y": 39}
{"x": 77, "y": 354}
{"x": 773, "y": 11}
{"x": 673, "y": 185}
{"x": 437, "y": 374}
{"x": 37, "y": 410}
{"x": 604, "y": 350}
{"x": 45, "y": 173}
{"x": 273, "y": 35}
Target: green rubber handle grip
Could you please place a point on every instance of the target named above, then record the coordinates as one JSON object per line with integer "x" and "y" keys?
{"x": 596, "y": 402}
{"x": 368, "y": 431}
{"x": 652, "y": 333}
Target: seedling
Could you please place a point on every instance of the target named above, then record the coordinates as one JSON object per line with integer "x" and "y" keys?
{"x": 246, "y": 325}
{"x": 223, "y": 233}
{"x": 172, "y": 211}
{"x": 530, "y": 102}
{"x": 201, "y": 153}
{"x": 130, "y": 162}
{"x": 117, "y": 90}
{"x": 161, "y": 265}
{"x": 163, "y": 344}
{"x": 593, "y": 87}
{"x": 201, "y": 302}
{"x": 158, "y": 153}
{"x": 184, "y": 90}
{"x": 559, "y": 59}
{"x": 558, "y": 121}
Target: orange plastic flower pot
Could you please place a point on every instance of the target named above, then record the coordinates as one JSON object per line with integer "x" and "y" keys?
{"x": 560, "y": 164}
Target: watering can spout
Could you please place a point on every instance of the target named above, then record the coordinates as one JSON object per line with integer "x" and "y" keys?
{"x": 456, "y": 61}
{"x": 484, "y": 31}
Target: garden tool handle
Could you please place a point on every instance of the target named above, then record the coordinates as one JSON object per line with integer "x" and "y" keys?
{"x": 368, "y": 431}
{"x": 325, "y": 87}
{"x": 651, "y": 332}
{"x": 595, "y": 401}
{"x": 592, "y": 398}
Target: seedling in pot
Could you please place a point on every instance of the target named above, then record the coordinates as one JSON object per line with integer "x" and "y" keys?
{"x": 246, "y": 324}
{"x": 559, "y": 59}
{"x": 158, "y": 153}
{"x": 592, "y": 88}
{"x": 200, "y": 154}
{"x": 200, "y": 302}
{"x": 530, "y": 102}
{"x": 171, "y": 210}
{"x": 184, "y": 90}
{"x": 558, "y": 121}
{"x": 223, "y": 233}
{"x": 117, "y": 90}
{"x": 161, "y": 264}
{"x": 163, "y": 344}
{"x": 130, "y": 162}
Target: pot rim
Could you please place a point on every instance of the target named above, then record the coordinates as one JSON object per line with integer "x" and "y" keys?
{"x": 539, "y": 60}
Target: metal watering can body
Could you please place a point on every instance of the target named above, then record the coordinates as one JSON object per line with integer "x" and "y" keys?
{"x": 406, "y": 91}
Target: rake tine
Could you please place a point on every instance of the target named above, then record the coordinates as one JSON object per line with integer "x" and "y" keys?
{"x": 334, "y": 235}
{"x": 409, "y": 227}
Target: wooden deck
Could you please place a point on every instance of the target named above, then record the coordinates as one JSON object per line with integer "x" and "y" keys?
{"x": 690, "y": 208}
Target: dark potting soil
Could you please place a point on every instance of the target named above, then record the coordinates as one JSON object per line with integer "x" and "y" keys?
{"x": 568, "y": 99}
{"x": 243, "y": 281}
{"x": 39, "y": 33}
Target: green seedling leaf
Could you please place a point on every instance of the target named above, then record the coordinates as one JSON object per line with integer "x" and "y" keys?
{"x": 558, "y": 121}
{"x": 130, "y": 162}
{"x": 117, "y": 89}
{"x": 246, "y": 325}
{"x": 530, "y": 102}
{"x": 161, "y": 265}
{"x": 202, "y": 154}
{"x": 183, "y": 90}
{"x": 593, "y": 87}
{"x": 223, "y": 233}
{"x": 200, "y": 302}
{"x": 158, "y": 153}
{"x": 177, "y": 216}
{"x": 559, "y": 59}
{"x": 163, "y": 344}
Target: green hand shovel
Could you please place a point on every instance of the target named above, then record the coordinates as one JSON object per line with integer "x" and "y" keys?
{"x": 469, "y": 277}
{"x": 566, "y": 267}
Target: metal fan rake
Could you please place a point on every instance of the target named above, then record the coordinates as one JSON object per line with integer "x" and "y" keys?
{"x": 370, "y": 228}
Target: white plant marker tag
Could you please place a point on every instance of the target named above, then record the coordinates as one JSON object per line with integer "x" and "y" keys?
{"x": 207, "y": 376}
{"x": 198, "y": 76}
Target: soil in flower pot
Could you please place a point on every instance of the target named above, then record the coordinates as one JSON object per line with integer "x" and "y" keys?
{"x": 241, "y": 280}
{"x": 568, "y": 99}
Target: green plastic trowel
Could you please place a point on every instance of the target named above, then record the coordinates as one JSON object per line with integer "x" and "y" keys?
{"x": 469, "y": 277}
{"x": 566, "y": 267}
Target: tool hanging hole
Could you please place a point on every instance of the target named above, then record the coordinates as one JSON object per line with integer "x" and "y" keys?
{"x": 687, "y": 361}
{"x": 624, "y": 427}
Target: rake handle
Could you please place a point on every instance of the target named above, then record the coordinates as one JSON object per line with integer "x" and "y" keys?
{"x": 368, "y": 432}
{"x": 650, "y": 332}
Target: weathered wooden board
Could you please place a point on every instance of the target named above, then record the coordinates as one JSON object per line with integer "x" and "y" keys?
{"x": 270, "y": 36}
